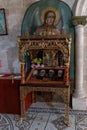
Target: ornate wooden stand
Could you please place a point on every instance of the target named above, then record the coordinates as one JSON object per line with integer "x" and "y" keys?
{"x": 62, "y": 88}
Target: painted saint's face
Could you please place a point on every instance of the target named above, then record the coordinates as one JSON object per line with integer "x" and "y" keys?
{"x": 50, "y": 18}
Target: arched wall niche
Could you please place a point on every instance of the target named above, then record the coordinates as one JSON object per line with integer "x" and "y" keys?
{"x": 32, "y": 20}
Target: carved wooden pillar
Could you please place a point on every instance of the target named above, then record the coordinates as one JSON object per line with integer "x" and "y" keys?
{"x": 22, "y": 72}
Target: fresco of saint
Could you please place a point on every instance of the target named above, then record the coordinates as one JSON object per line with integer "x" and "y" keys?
{"x": 49, "y": 19}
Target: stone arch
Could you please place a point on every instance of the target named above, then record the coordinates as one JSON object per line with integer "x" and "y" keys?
{"x": 80, "y": 7}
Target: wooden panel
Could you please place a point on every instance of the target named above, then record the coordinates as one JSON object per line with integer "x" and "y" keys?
{"x": 10, "y": 97}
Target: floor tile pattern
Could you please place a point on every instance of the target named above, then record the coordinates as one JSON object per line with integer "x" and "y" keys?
{"x": 44, "y": 117}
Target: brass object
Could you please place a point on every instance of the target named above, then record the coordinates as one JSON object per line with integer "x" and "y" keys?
{"x": 22, "y": 72}
{"x": 12, "y": 78}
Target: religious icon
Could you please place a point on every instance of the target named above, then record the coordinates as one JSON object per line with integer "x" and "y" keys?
{"x": 49, "y": 18}
{"x": 3, "y": 27}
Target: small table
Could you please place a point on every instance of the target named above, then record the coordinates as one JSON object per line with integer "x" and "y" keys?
{"x": 33, "y": 84}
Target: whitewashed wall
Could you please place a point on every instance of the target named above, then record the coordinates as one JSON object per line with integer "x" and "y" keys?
{"x": 14, "y": 10}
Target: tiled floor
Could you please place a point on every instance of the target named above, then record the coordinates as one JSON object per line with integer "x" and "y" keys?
{"x": 42, "y": 116}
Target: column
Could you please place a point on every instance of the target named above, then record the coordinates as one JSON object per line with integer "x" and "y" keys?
{"x": 79, "y": 96}
{"x": 79, "y": 55}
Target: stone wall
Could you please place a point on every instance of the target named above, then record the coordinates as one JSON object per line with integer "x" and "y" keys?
{"x": 14, "y": 11}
